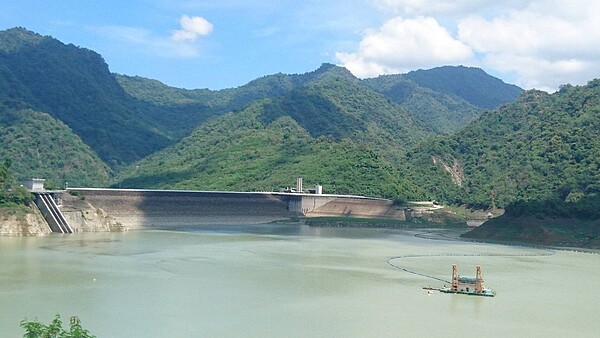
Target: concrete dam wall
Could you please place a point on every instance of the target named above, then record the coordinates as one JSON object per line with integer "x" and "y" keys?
{"x": 164, "y": 209}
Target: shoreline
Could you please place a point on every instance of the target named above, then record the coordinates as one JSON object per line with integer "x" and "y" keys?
{"x": 429, "y": 232}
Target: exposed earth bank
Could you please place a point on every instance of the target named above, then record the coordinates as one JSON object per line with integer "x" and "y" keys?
{"x": 22, "y": 221}
{"x": 562, "y": 232}
{"x": 81, "y": 215}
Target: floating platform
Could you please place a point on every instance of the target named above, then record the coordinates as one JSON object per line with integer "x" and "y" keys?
{"x": 484, "y": 293}
{"x": 466, "y": 285}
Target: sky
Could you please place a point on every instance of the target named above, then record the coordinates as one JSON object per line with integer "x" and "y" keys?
{"x": 218, "y": 44}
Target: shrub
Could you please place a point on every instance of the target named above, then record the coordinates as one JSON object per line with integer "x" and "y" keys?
{"x": 35, "y": 329}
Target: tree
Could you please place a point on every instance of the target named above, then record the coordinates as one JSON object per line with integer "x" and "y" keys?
{"x": 10, "y": 193}
{"x": 35, "y": 329}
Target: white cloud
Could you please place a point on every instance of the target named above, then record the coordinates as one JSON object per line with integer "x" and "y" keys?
{"x": 179, "y": 44}
{"x": 544, "y": 48}
{"x": 192, "y": 27}
{"x": 144, "y": 41}
{"x": 538, "y": 43}
{"x": 437, "y": 7}
{"x": 405, "y": 44}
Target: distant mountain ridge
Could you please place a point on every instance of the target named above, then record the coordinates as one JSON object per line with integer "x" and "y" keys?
{"x": 124, "y": 119}
{"x": 447, "y": 98}
{"x": 36, "y": 141}
{"x": 471, "y": 84}
{"x": 452, "y": 134}
{"x": 539, "y": 147}
{"x": 329, "y": 129}
{"x": 74, "y": 85}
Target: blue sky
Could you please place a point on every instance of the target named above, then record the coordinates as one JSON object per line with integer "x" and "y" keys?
{"x": 226, "y": 43}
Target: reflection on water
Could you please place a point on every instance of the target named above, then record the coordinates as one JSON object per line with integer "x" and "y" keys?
{"x": 291, "y": 280}
{"x": 291, "y": 230}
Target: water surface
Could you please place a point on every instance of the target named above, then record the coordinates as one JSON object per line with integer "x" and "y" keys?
{"x": 292, "y": 281}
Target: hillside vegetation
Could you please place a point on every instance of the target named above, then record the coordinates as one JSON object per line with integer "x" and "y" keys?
{"x": 446, "y": 98}
{"x": 540, "y": 147}
{"x": 75, "y": 86}
{"x": 471, "y": 84}
{"x": 452, "y": 134}
{"x": 41, "y": 146}
{"x": 333, "y": 115}
{"x": 332, "y": 131}
{"x": 11, "y": 194}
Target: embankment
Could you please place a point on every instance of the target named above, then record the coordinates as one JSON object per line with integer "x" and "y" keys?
{"x": 561, "y": 232}
{"x": 136, "y": 209}
{"x": 22, "y": 221}
{"x": 164, "y": 209}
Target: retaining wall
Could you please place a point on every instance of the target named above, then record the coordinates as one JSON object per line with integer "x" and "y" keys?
{"x": 137, "y": 209}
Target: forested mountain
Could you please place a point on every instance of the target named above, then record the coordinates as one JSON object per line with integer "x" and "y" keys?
{"x": 540, "y": 147}
{"x": 75, "y": 86}
{"x": 205, "y": 103}
{"x": 446, "y": 98}
{"x": 224, "y": 100}
{"x": 330, "y": 115}
{"x": 41, "y": 146}
{"x": 471, "y": 84}
{"x": 453, "y": 134}
{"x": 332, "y": 130}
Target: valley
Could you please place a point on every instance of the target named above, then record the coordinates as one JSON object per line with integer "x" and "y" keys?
{"x": 452, "y": 134}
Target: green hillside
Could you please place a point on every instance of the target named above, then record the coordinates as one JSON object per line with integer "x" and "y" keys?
{"x": 446, "y": 98}
{"x": 12, "y": 195}
{"x": 540, "y": 147}
{"x": 332, "y": 131}
{"x": 239, "y": 152}
{"x": 454, "y": 134}
{"x": 75, "y": 86}
{"x": 471, "y": 84}
{"x": 40, "y": 146}
{"x": 216, "y": 101}
{"x": 124, "y": 119}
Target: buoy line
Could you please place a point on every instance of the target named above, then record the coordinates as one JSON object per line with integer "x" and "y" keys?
{"x": 546, "y": 252}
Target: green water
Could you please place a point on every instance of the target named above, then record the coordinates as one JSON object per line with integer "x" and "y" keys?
{"x": 292, "y": 281}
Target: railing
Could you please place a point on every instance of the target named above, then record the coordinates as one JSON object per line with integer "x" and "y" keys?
{"x": 52, "y": 213}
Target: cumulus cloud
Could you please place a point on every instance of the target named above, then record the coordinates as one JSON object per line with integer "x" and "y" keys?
{"x": 543, "y": 50}
{"x": 405, "y": 44}
{"x": 192, "y": 27}
{"x": 177, "y": 44}
{"x": 537, "y": 43}
{"x": 144, "y": 41}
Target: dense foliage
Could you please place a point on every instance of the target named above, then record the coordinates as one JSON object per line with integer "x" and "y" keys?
{"x": 444, "y": 113}
{"x": 41, "y": 146}
{"x": 11, "y": 193}
{"x": 537, "y": 148}
{"x": 75, "y": 86}
{"x": 331, "y": 130}
{"x": 556, "y": 207}
{"x": 446, "y": 98}
{"x": 35, "y": 329}
{"x": 240, "y": 152}
{"x": 471, "y": 84}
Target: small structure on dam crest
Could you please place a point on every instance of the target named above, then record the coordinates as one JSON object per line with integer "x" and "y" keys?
{"x": 34, "y": 184}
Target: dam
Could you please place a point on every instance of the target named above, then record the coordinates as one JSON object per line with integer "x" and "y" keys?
{"x": 168, "y": 209}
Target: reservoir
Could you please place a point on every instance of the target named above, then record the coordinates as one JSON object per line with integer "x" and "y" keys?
{"x": 293, "y": 281}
